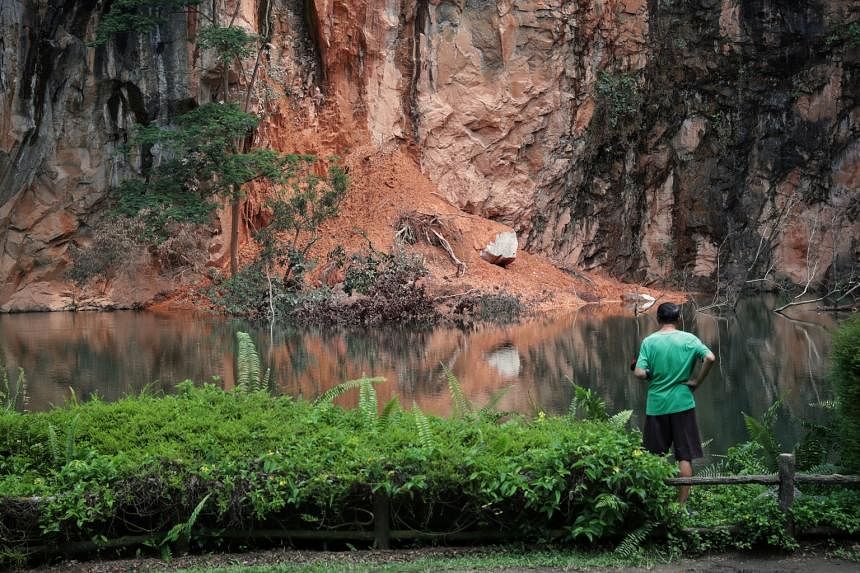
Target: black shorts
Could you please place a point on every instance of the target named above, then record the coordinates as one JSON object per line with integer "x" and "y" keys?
{"x": 678, "y": 430}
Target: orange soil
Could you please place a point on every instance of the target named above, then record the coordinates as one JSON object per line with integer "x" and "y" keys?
{"x": 386, "y": 184}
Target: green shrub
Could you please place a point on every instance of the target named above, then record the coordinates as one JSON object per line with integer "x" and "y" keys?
{"x": 845, "y": 361}
{"x": 135, "y": 16}
{"x": 145, "y": 464}
{"x": 618, "y": 95}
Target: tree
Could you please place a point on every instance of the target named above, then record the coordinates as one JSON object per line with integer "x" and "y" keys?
{"x": 206, "y": 153}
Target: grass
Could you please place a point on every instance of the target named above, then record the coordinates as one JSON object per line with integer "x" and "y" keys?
{"x": 490, "y": 559}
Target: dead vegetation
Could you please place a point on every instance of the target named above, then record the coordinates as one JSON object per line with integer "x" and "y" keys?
{"x": 414, "y": 227}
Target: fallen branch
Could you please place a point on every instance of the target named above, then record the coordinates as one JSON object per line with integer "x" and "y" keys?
{"x": 461, "y": 266}
{"x": 459, "y": 294}
{"x": 843, "y": 308}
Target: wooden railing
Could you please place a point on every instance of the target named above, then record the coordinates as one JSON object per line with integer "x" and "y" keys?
{"x": 786, "y": 478}
{"x": 382, "y": 534}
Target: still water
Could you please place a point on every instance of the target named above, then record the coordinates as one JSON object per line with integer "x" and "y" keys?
{"x": 762, "y": 356}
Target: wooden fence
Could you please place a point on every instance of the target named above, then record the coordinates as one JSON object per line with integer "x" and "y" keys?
{"x": 382, "y": 534}
{"x": 786, "y": 479}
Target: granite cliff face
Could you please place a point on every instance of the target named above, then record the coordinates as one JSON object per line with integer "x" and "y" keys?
{"x": 658, "y": 140}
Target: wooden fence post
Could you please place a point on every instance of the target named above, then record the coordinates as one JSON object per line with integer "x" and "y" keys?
{"x": 786, "y": 488}
{"x": 381, "y": 520}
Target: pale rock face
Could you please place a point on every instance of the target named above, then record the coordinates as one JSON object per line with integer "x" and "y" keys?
{"x": 658, "y": 247}
{"x": 689, "y": 136}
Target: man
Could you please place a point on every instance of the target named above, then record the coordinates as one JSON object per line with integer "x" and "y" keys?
{"x": 666, "y": 360}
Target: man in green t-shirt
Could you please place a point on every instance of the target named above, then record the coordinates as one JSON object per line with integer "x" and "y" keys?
{"x": 666, "y": 360}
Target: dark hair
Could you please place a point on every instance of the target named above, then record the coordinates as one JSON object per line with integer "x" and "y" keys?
{"x": 668, "y": 313}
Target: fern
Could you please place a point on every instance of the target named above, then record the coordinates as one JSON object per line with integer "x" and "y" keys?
{"x": 71, "y": 432}
{"x": 8, "y": 399}
{"x": 367, "y": 403}
{"x": 54, "y": 444}
{"x": 619, "y": 420}
{"x": 631, "y": 545}
{"x": 182, "y": 531}
{"x": 489, "y": 409}
{"x": 425, "y": 435}
{"x": 391, "y": 408}
{"x": 762, "y": 432}
{"x": 460, "y": 405}
{"x": 587, "y": 402}
{"x": 247, "y": 364}
{"x": 824, "y": 469}
{"x": 713, "y": 470}
{"x": 343, "y": 388}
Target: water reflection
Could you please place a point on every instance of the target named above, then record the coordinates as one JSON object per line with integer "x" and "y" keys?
{"x": 761, "y": 356}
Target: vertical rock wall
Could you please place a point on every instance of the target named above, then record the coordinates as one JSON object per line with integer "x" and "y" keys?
{"x": 656, "y": 139}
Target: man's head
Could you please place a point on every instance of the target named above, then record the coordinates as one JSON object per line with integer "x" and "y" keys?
{"x": 668, "y": 313}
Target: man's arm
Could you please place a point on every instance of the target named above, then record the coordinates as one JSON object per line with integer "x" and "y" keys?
{"x": 641, "y": 373}
{"x": 708, "y": 363}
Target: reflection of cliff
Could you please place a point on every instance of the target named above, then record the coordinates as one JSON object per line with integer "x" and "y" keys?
{"x": 762, "y": 356}
{"x": 108, "y": 354}
{"x": 638, "y": 137}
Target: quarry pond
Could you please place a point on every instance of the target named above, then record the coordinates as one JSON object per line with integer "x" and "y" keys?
{"x": 762, "y": 357}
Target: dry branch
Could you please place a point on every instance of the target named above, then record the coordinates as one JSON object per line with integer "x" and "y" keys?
{"x": 415, "y": 226}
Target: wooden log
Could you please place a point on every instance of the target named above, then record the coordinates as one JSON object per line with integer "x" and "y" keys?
{"x": 832, "y": 479}
{"x": 786, "y": 464}
{"x": 786, "y": 481}
{"x": 725, "y": 480}
{"x": 381, "y": 520}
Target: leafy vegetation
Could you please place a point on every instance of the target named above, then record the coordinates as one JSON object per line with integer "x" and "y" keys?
{"x": 753, "y": 510}
{"x": 147, "y": 464}
{"x": 619, "y": 96}
{"x": 12, "y": 398}
{"x": 846, "y": 379}
{"x": 135, "y": 16}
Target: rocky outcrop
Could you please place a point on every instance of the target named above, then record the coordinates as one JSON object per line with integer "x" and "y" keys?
{"x": 502, "y": 251}
{"x": 681, "y": 141}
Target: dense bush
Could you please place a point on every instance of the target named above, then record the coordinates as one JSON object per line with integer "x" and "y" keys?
{"x": 391, "y": 292}
{"x": 144, "y": 464}
{"x": 846, "y": 379}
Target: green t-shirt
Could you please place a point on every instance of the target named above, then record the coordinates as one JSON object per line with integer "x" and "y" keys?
{"x": 670, "y": 356}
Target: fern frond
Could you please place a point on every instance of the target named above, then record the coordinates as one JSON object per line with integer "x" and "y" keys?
{"x": 247, "y": 363}
{"x": 824, "y": 469}
{"x": 390, "y": 409}
{"x": 620, "y": 419}
{"x": 367, "y": 402}
{"x": 71, "y": 432}
{"x": 571, "y": 409}
{"x": 631, "y": 545}
{"x": 762, "y": 433}
{"x": 425, "y": 435}
{"x": 54, "y": 444}
{"x": 343, "y": 388}
{"x": 713, "y": 470}
{"x": 493, "y": 402}
{"x": 460, "y": 404}
{"x": 194, "y": 515}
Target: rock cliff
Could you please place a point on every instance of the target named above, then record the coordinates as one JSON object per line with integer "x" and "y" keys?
{"x": 657, "y": 140}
